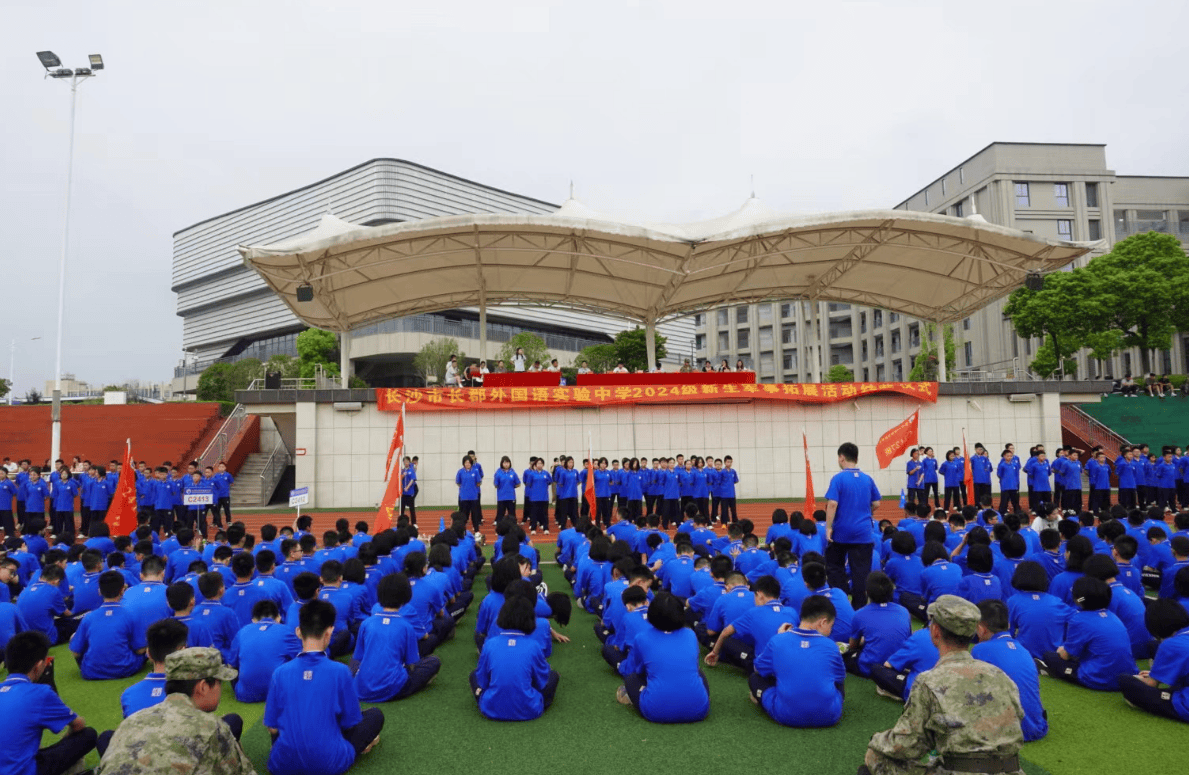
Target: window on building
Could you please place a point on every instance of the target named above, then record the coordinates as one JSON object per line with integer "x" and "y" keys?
{"x": 786, "y": 310}
{"x": 943, "y": 187}
{"x": 1166, "y": 362}
{"x": 724, "y": 317}
{"x": 880, "y": 373}
{"x": 958, "y": 211}
{"x": 740, "y": 314}
{"x": 1022, "y": 198}
{"x": 1061, "y": 194}
{"x": 1015, "y": 347}
{"x": 866, "y": 375}
{"x": 788, "y": 333}
{"x": 767, "y": 363}
{"x": 1127, "y": 363}
{"x": 1091, "y": 195}
{"x": 965, "y": 324}
{"x": 879, "y": 347}
{"x": 766, "y": 340}
{"x": 968, "y": 350}
{"x": 743, "y": 337}
{"x": 1120, "y": 224}
{"x": 1150, "y": 220}
{"x": 1094, "y": 229}
{"x": 864, "y": 350}
{"x": 699, "y": 319}
{"x": 789, "y": 360}
{"x": 914, "y": 335}
{"x": 862, "y": 322}
{"x": 895, "y": 341}
{"x": 765, "y": 311}
{"x": 961, "y": 174}
{"x": 1065, "y": 229}
{"x": 898, "y": 371}
{"x": 893, "y": 317}
{"x": 877, "y": 318}
{"x": 724, "y": 342}
{"x": 700, "y": 341}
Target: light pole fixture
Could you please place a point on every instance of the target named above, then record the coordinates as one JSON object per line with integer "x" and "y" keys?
{"x": 53, "y": 69}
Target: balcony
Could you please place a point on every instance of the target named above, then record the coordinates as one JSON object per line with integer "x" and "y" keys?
{"x": 1131, "y": 228}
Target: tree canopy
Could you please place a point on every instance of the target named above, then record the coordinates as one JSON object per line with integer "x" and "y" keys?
{"x": 632, "y": 348}
{"x": 534, "y": 346}
{"x": 431, "y": 361}
{"x": 5, "y": 386}
{"x": 600, "y": 358}
{"x": 925, "y": 368}
{"x": 315, "y": 346}
{"x": 839, "y": 373}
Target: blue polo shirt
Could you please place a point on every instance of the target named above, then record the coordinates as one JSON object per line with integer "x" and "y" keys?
{"x": 178, "y": 563}
{"x": 257, "y": 651}
{"x": 883, "y": 628}
{"x": 978, "y": 587}
{"x": 729, "y": 607}
{"x": 39, "y": 604}
{"x": 675, "y": 690}
{"x": 28, "y": 708}
{"x": 757, "y": 626}
{"x": 221, "y": 622}
{"x": 1009, "y": 474}
{"x": 1005, "y": 653}
{"x": 677, "y": 576}
{"x": 1171, "y": 667}
{"x": 146, "y": 604}
{"x": 86, "y": 593}
{"x": 854, "y": 492}
{"x": 917, "y": 655}
{"x": 387, "y": 643}
{"x": 1037, "y": 619}
{"x": 108, "y": 638}
{"x": 809, "y": 674}
{"x": 905, "y": 572}
{"x": 1098, "y": 640}
{"x": 940, "y": 578}
{"x": 309, "y": 699}
{"x": 11, "y": 622}
{"x": 512, "y": 672}
{"x": 145, "y": 693}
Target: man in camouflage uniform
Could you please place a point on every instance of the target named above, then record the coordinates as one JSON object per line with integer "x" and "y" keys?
{"x": 181, "y": 734}
{"x": 963, "y": 714}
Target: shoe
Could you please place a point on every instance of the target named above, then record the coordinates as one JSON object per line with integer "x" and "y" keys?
{"x": 621, "y": 695}
{"x": 882, "y": 692}
{"x": 372, "y": 745}
{"x": 1041, "y": 667}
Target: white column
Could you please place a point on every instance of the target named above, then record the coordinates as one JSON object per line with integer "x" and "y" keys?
{"x": 345, "y": 357}
{"x": 815, "y": 344}
{"x": 482, "y": 324}
{"x": 650, "y": 342}
{"x": 940, "y": 352}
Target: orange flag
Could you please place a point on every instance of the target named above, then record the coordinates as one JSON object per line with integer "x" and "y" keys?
{"x": 893, "y": 443}
{"x": 398, "y": 442}
{"x": 590, "y": 489}
{"x": 121, "y": 515}
{"x": 968, "y": 476}
{"x": 392, "y": 493}
{"x": 810, "y": 501}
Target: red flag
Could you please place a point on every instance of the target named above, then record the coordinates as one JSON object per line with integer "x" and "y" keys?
{"x": 810, "y": 501}
{"x": 968, "y": 477}
{"x": 590, "y": 489}
{"x": 121, "y": 515}
{"x": 398, "y": 442}
{"x": 893, "y": 443}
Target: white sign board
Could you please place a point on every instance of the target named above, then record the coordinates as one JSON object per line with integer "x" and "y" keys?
{"x": 198, "y": 498}
{"x": 299, "y": 497}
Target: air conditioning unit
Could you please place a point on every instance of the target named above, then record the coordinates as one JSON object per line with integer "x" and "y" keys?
{"x": 348, "y": 406}
{"x": 1022, "y": 398}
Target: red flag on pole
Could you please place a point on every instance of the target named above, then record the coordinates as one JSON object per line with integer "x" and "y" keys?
{"x": 392, "y": 492}
{"x": 968, "y": 473}
{"x": 590, "y": 488}
{"x": 398, "y": 442}
{"x": 893, "y": 443}
{"x": 121, "y": 515}
{"x": 810, "y": 501}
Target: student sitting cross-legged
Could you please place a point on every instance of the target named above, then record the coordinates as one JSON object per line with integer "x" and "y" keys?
{"x": 386, "y": 663}
{"x": 1036, "y": 618}
{"x": 28, "y": 707}
{"x": 661, "y": 675}
{"x": 748, "y": 634}
{"x": 997, "y": 647}
{"x": 634, "y": 619}
{"x": 1163, "y": 690}
{"x": 108, "y": 644}
{"x": 259, "y": 648}
{"x": 1097, "y": 649}
{"x": 880, "y": 627}
{"x": 799, "y": 676}
{"x": 513, "y": 681}
{"x": 312, "y": 710}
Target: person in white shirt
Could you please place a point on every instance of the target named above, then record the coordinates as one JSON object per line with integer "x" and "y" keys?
{"x": 535, "y": 367}
{"x": 739, "y": 365}
{"x": 452, "y": 372}
{"x": 584, "y": 368}
{"x": 483, "y": 371}
{"x": 619, "y": 369}
{"x": 725, "y": 367}
{"x": 553, "y": 365}
{"x": 518, "y": 360}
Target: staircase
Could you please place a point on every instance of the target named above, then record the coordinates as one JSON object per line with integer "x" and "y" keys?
{"x": 258, "y": 477}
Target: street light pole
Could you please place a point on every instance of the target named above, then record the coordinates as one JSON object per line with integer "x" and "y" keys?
{"x": 54, "y": 70}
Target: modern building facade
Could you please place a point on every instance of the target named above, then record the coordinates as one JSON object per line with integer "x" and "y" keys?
{"x": 1059, "y": 191}
{"x": 228, "y": 312}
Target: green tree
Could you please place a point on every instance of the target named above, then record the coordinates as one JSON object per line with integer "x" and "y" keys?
{"x": 840, "y": 373}
{"x": 33, "y": 396}
{"x": 215, "y": 383}
{"x": 5, "y": 386}
{"x": 925, "y": 368}
{"x": 601, "y": 358}
{"x": 534, "y": 350}
{"x": 1142, "y": 287}
{"x": 631, "y": 348}
{"x": 287, "y": 366}
{"x": 431, "y": 361}
{"x": 315, "y": 346}
{"x": 1064, "y": 314}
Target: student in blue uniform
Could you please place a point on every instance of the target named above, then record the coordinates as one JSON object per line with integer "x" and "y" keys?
{"x": 30, "y": 707}
{"x": 1096, "y": 650}
{"x": 537, "y": 482}
{"x": 163, "y": 638}
{"x": 736, "y": 600}
{"x": 929, "y": 470}
{"x": 895, "y": 677}
{"x": 65, "y": 490}
{"x": 9, "y": 494}
{"x": 311, "y": 696}
{"x": 220, "y": 621}
{"x": 1008, "y": 472}
{"x": 980, "y": 470}
{"x": 879, "y": 627}
{"x": 259, "y": 648}
{"x": 108, "y": 644}
{"x": 800, "y": 678}
{"x": 663, "y": 659}
{"x": 952, "y": 473}
{"x": 981, "y": 583}
{"x": 851, "y": 499}
{"x": 997, "y": 647}
{"x": 813, "y": 574}
{"x": 1163, "y": 690}
{"x": 34, "y": 494}
{"x": 506, "y": 483}
{"x": 513, "y": 681}
{"x": 1036, "y": 619}
{"x": 387, "y": 663}
{"x": 940, "y": 576}
{"x": 468, "y": 479}
{"x": 904, "y": 568}
{"x": 1125, "y": 604}
{"x": 748, "y": 633}
{"x": 566, "y": 479}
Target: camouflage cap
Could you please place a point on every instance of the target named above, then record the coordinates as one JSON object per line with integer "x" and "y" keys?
{"x": 955, "y": 614}
{"x": 195, "y": 664}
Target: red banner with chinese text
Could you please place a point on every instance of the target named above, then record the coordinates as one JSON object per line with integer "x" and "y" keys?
{"x": 892, "y": 444}
{"x": 464, "y": 399}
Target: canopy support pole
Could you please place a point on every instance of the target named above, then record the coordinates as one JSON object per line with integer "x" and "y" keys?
{"x": 482, "y": 323}
{"x": 650, "y": 342}
{"x": 345, "y": 357}
{"x": 813, "y": 337}
{"x": 941, "y": 354}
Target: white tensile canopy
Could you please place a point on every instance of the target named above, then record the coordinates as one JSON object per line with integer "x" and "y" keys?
{"x": 931, "y": 267}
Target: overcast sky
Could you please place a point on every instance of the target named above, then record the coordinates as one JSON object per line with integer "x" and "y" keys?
{"x": 660, "y": 109}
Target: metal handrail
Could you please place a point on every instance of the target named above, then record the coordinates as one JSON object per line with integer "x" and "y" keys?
{"x": 1091, "y": 430}
{"x": 217, "y": 449}
{"x": 269, "y": 474}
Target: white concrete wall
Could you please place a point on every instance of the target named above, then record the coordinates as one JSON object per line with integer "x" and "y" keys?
{"x": 344, "y": 451}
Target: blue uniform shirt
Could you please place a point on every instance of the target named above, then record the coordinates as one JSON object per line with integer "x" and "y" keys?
{"x": 729, "y": 607}
{"x": 387, "y": 644}
{"x": 940, "y": 578}
{"x": 883, "y": 628}
{"x": 308, "y": 699}
{"x": 108, "y": 640}
{"x": 1171, "y": 667}
{"x": 145, "y": 693}
{"x": 257, "y": 651}
{"x": 978, "y": 587}
{"x": 809, "y": 675}
{"x": 28, "y": 708}
{"x": 1005, "y": 653}
{"x": 905, "y": 572}
{"x": 929, "y": 466}
{"x": 39, "y": 604}
{"x": 146, "y": 604}
{"x": 917, "y": 655}
{"x": 221, "y": 622}
{"x": 512, "y": 672}
{"x": 854, "y": 492}
{"x": 506, "y": 483}
{"x": 668, "y": 661}
{"x": 757, "y": 626}
{"x": 467, "y": 480}
{"x": 1098, "y": 640}
{"x": 1009, "y": 474}
{"x": 1037, "y": 620}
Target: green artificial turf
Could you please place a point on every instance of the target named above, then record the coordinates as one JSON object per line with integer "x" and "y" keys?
{"x": 440, "y": 730}
{"x": 1146, "y": 419}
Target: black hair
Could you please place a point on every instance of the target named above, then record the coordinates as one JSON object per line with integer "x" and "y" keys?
{"x": 993, "y": 614}
{"x": 1079, "y": 550}
{"x": 1030, "y": 576}
{"x": 24, "y": 651}
{"x": 1091, "y": 594}
{"x": 880, "y": 588}
{"x": 1013, "y": 546}
{"x": 166, "y": 636}
{"x": 903, "y": 542}
{"x": 210, "y": 583}
{"x": 633, "y": 595}
{"x": 242, "y": 565}
{"x": 1164, "y": 618}
{"x": 317, "y": 616}
{"x": 768, "y": 586}
{"x": 818, "y": 607}
{"x": 849, "y": 452}
{"x": 305, "y": 585}
{"x": 266, "y": 609}
{"x": 934, "y": 531}
{"x": 666, "y": 612}
{"x": 504, "y": 571}
{"x": 720, "y": 566}
{"x": 814, "y": 575}
{"x": 1099, "y": 566}
{"x": 179, "y": 595}
{"x": 1050, "y": 539}
{"x": 394, "y": 591}
{"x": 933, "y": 551}
{"x": 111, "y": 584}
{"x": 979, "y": 558}
{"x": 517, "y": 613}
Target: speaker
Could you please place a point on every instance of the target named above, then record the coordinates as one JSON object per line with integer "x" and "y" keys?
{"x": 305, "y": 292}
{"x": 1033, "y": 282}
{"x": 272, "y": 380}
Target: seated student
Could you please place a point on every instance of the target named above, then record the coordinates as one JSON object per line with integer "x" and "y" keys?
{"x": 635, "y": 618}
{"x": 1050, "y": 556}
{"x": 1012, "y": 548}
{"x": 1123, "y": 552}
{"x": 676, "y": 575}
{"x": 811, "y": 537}
{"x": 29, "y": 707}
{"x": 217, "y": 618}
{"x": 270, "y": 587}
{"x": 163, "y": 638}
{"x": 940, "y": 576}
{"x": 904, "y": 568}
{"x": 145, "y": 602}
{"x": 780, "y": 527}
{"x": 1180, "y": 552}
{"x": 997, "y": 647}
{"x": 895, "y": 677}
{"x": 43, "y": 606}
{"x": 624, "y": 573}
{"x": 981, "y": 584}
{"x": 1125, "y": 604}
{"x": 814, "y": 575}
{"x": 259, "y": 648}
{"x": 1097, "y": 649}
{"x": 503, "y": 572}
{"x": 880, "y": 627}
{"x": 311, "y": 695}
{"x": 1036, "y": 619}
{"x": 1077, "y": 549}
{"x": 513, "y": 681}
{"x": 11, "y": 622}
{"x": 428, "y": 607}
{"x": 87, "y": 596}
{"x": 241, "y": 596}
{"x": 800, "y": 678}
{"x": 700, "y": 605}
{"x": 387, "y": 663}
{"x": 1163, "y": 690}
{"x": 734, "y": 602}
{"x": 347, "y": 608}
{"x": 663, "y": 659}
{"x": 107, "y": 644}
{"x": 750, "y": 556}
{"x": 180, "y": 558}
{"x": 180, "y": 597}
{"x": 748, "y": 633}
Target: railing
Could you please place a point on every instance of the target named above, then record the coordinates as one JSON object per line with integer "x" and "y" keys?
{"x": 274, "y": 468}
{"x": 217, "y": 449}
{"x": 1091, "y": 430}
{"x": 320, "y": 381}
{"x": 1002, "y": 371}
{"x": 1176, "y": 228}
{"x": 469, "y": 329}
